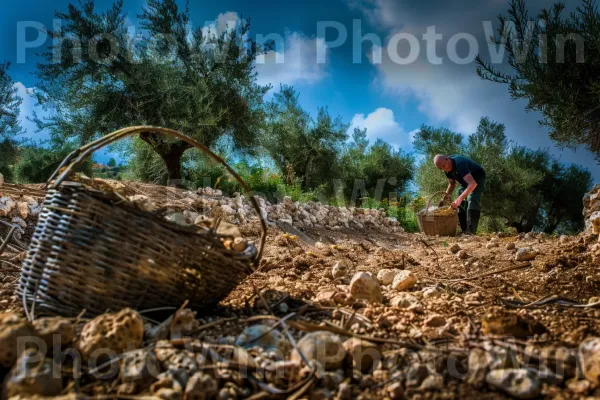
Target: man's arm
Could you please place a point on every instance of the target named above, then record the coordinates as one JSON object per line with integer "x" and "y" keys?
{"x": 471, "y": 185}
{"x": 449, "y": 190}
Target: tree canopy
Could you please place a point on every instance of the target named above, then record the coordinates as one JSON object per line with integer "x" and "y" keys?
{"x": 10, "y": 104}
{"x": 200, "y": 82}
{"x": 525, "y": 188}
{"x": 556, "y": 67}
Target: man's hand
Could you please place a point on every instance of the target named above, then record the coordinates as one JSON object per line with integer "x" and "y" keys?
{"x": 456, "y": 203}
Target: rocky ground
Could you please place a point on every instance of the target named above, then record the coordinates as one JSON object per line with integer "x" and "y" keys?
{"x": 336, "y": 310}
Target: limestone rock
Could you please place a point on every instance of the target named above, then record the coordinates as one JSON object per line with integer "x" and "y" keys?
{"x": 324, "y": 347}
{"x": 139, "y": 366}
{"x": 431, "y": 293}
{"x": 115, "y": 332}
{"x": 432, "y": 382}
{"x": 142, "y": 202}
{"x": 492, "y": 245}
{"x": 184, "y": 324}
{"x": 480, "y": 362}
{"x": 19, "y": 221}
{"x": 519, "y": 383}
{"x": 435, "y": 321}
{"x": 262, "y": 336}
{"x": 594, "y": 221}
{"x": 404, "y": 280}
{"x": 395, "y": 391}
{"x": 404, "y": 300}
{"x": 33, "y": 376}
{"x": 201, "y": 386}
{"x": 589, "y": 359}
{"x": 364, "y": 286}
{"x": 525, "y": 254}
{"x": 338, "y": 270}
{"x": 473, "y": 298}
{"x": 6, "y": 206}
{"x": 417, "y": 373}
{"x": 179, "y": 365}
{"x": 326, "y": 298}
{"x": 364, "y": 355}
{"x": 56, "y": 328}
{"x": 23, "y": 209}
{"x": 12, "y": 328}
{"x": 239, "y": 244}
{"x": 386, "y": 276}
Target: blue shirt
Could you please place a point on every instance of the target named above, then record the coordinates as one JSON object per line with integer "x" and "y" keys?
{"x": 463, "y": 166}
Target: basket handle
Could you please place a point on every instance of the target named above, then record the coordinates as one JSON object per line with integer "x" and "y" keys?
{"x": 77, "y": 156}
{"x": 431, "y": 198}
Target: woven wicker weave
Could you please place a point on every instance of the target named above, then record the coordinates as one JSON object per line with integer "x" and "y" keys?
{"x": 93, "y": 251}
{"x": 431, "y": 224}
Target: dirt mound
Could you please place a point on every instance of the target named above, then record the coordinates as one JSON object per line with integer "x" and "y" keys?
{"x": 477, "y": 322}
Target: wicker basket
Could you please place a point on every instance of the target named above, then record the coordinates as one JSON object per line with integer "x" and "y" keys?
{"x": 92, "y": 250}
{"x": 431, "y": 224}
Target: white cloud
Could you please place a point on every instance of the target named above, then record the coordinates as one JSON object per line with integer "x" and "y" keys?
{"x": 28, "y": 106}
{"x": 382, "y": 124}
{"x": 292, "y": 61}
{"x": 453, "y": 95}
{"x": 225, "y": 22}
{"x": 295, "y": 63}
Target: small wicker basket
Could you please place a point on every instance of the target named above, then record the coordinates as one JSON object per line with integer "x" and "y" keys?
{"x": 92, "y": 250}
{"x": 433, "y": 225}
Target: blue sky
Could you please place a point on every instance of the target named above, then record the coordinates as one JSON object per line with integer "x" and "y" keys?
{"x": 391, "y": 98}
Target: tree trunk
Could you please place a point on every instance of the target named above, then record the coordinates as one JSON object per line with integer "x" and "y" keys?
{"x": 171, "y": 153}
{"x": 305, "y": 181}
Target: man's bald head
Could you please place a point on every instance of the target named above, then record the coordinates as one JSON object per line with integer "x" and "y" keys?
{"x": 443, "y": 162}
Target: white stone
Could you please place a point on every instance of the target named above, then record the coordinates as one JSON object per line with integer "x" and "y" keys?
{"x": 20, "y": 222}
{"x": 386, "y": 276}
{"x": 262, "y": 336}
{"x": 33, "y": 375}
{"x": 338, "y": 270}
{"x": 589, "y": 359}
{"x": 431, "y": 293}
{"x": 519, "y": 383}
{"x": 525, "y": 254}
{"x": 324, "y": 347}
{"x": 364, "y": 286}
{"x": 404, "y": 280}
{"x": 404, "y": 300}
{"x": 435, "y": 321}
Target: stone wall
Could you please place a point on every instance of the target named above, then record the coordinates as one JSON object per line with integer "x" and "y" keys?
{"x": 591, "y": 210}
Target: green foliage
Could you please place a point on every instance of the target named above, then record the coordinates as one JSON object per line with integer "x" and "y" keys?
{"x": 10, "y": 104}
{"x": 299, "y": 145}
{"x": 9, "y": 121}
{"x": 557, "y": 75}
{"x": 35, "y": 164}
{"x": 379, "y": 170}
{"x": 8, "y": 156}
{"x": 525, "y": 189}
{"x": 201, "y": 84}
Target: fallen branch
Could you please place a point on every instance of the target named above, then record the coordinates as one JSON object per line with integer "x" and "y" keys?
{"x": 499, "y": 271}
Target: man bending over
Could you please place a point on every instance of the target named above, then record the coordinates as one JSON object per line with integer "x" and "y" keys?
{"x": 471, "y": 177}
